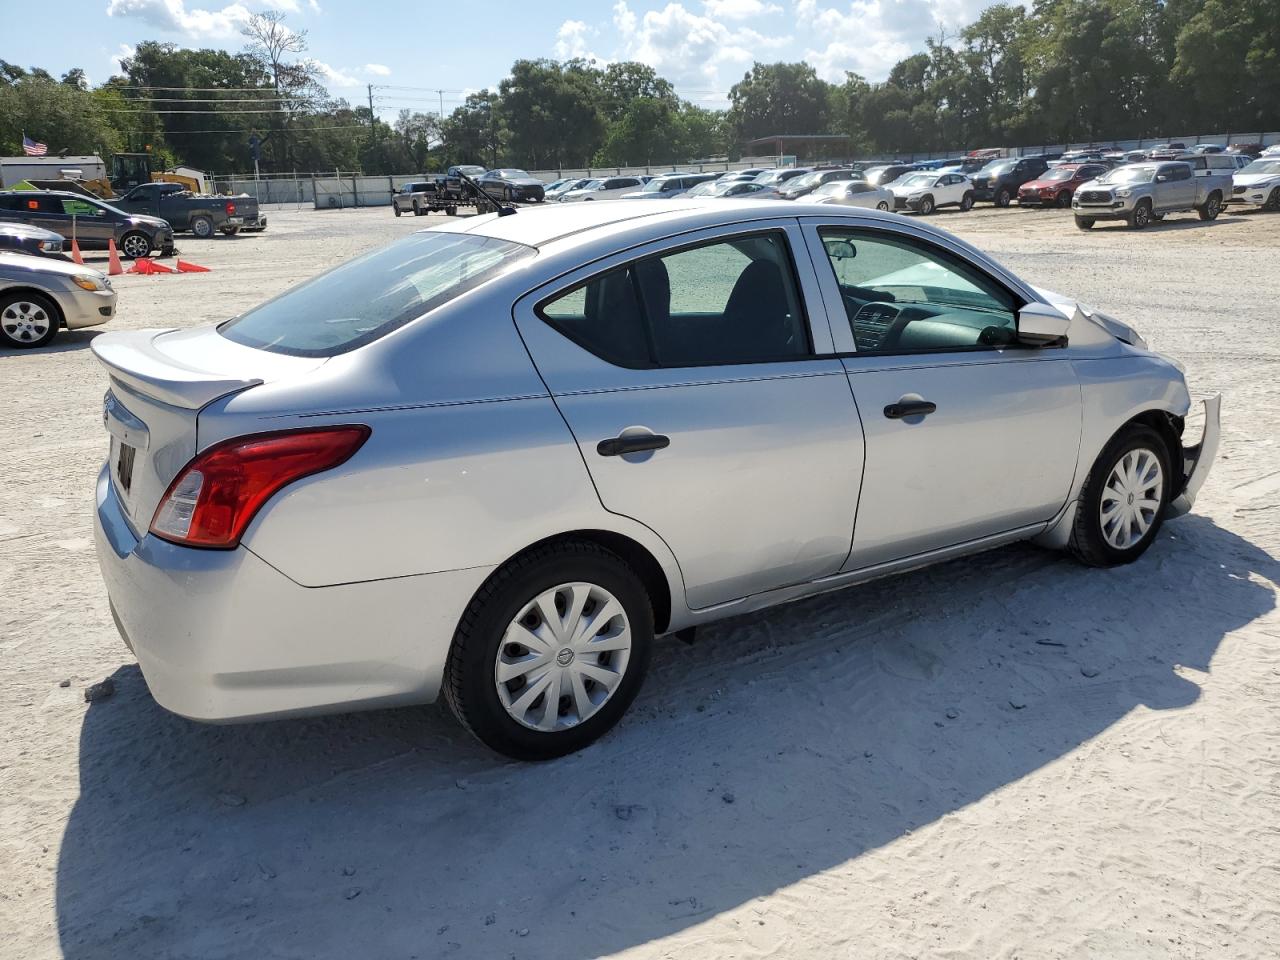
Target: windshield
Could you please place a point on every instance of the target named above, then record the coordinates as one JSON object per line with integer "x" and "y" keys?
{"x": 710, "y": 188}
{"x": 997, "y": 167}
{"x": 1134, "y": 173}
{"x": 802, "y": 181}
{"x": 509, "y": 174}
{"x": 589, "y": 185}
{"x": 1059, "y": 173}
{"x": 1262, "y": 166}
{"x": 917, "y": 180}
{"x": 370, "y": 296}
{"x": 771, "y": 176}
{"x": 654, "y": 186}
{"x": 471, "y": 170}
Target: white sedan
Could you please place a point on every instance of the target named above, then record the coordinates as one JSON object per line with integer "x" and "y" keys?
{"x": 927, "y": 190}
{"x": 854, "y": 193}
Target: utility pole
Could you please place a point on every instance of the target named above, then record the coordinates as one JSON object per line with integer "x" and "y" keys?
{"x": 441, "y": 93}
{"x": 371, "y": 116}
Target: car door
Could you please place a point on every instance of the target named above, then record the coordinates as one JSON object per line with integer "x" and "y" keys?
{"x": 1178, "y": 189}
{"x": 706, "y": 405}
{"x": 968, "y": 435}
{"x": 93, "y": 222}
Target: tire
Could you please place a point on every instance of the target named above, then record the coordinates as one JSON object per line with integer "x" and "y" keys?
{"x": 883, "y": 206}
{"x": 966, "y": 202}
{"x": 926, "y": 206}
{"x": 1273, "y": 201}
{"x": 1100, "y": 544}
{"x": 135, "y": 245}
{"x": 230, "y": 231}
{"x": 395, "y": 209}
{"x": 451, "y": 211}
{"x": 1003, "y": 197}
{"x": 202, "y": 227}
{"x": 1085, "y": 223}
{"x": 417, "y": 210}
{"x": 1063, "y": 200}
{"x": 1211, "y": 208}
{"x": 1140, "y": 219}
{"x": 506, "y": 606}
{"x": 27, "y": 320}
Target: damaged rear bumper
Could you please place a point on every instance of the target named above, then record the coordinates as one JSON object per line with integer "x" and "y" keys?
{"x": 1197, "y": 460}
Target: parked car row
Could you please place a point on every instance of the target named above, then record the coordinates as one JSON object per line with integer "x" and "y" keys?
{"x": 40, "y": 294}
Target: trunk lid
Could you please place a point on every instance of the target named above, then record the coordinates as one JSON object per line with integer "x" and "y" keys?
{"x": 160, "y": 380}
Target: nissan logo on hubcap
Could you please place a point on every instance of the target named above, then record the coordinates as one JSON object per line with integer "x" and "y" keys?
{"x": 564, "y": 657}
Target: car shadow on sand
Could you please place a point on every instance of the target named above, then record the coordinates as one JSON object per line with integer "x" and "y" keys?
{"x": 778, "y": 746}
{"x": 65, "y": 342}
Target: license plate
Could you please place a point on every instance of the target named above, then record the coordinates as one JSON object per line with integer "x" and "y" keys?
{"x": 124, "y": 467}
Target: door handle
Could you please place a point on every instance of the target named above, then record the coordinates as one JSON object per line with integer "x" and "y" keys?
{"x": 636, "y": 443}
{"x": 909, "y": 408}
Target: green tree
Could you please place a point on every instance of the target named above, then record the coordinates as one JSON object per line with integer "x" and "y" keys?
{"x": 778, "y": 98}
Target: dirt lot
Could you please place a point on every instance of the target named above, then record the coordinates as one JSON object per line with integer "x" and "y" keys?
{"x": 1009, "y": 756}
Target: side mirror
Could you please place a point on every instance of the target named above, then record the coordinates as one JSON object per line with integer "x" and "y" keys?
{"x": 1040, "y": 325}
{"x": 1161, "y": 178}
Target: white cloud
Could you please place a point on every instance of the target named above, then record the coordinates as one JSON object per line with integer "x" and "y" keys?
{"x": 336, "y": 76}
{"x": 571, "y": 41}
{"x": 123, "y": 52}
{"x": 377, "y": 69}
{"x": 689, "y": 48}
{"x": 739, "y": 9}
{"x": 176, "y": 17}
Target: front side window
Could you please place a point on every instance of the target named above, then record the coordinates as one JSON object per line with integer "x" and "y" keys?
{"x": 904, "y": 296}
{"x": 368, "y": 297}
{"x": 729, "y": 301}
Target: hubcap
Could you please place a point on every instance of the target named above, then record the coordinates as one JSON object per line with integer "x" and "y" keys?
{"x": 135, "y": 247}
{"x": 1131, "y": 498}
{"x": 562, "y": 657}
{"x": 24, "y": 321}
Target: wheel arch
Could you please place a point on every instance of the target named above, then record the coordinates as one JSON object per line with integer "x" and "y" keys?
{"x": 633, "y": 553}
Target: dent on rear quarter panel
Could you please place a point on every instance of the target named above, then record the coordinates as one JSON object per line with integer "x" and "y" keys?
{"x": 1115, "y": 390}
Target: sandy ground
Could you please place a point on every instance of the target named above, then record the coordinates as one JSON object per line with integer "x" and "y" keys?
{"x": 1008, "y": 756}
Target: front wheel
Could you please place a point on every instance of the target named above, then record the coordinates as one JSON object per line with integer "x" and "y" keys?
{"x": 396, "y": 209}
{"x": 966, "y": 203}
{"x": 1273, "y": 201}
{"x": 926, "y": 206}
{"x": 1211, "y": 208}
{"x": 1123, "y": 500}
{"x": 1141, "y": 216}
{"x": 1003, "y": 198}
{"x": 883, "y": 206}
{"x": 135, "y": 246}
{"x": 1064, "y": 200}
{"x": 551, "y": 651}
{"x": 1085, "y": 223}
{"x": 27, "y": 320}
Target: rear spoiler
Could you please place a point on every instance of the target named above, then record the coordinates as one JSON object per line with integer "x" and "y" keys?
{"x": 132, "y": 358}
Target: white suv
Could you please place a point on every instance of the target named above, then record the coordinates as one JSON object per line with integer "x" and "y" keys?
{"x": 609, "y": 188}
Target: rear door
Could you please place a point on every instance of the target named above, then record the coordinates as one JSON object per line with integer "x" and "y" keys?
{"x": 93, "y": 222}
{"x": 968, "y": 436}
{"x": 694, "y": 383}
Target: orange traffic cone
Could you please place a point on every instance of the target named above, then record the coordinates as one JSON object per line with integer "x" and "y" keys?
{"x": 185, "y": 267}
{"x": 147, "y": 265}
{"x": 75, "y": 252}
{"x": 113, "y": 268}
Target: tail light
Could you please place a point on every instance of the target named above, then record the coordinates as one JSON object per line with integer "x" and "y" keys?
{"x": 231, "y": 209}
{"x": 214, "y": 497}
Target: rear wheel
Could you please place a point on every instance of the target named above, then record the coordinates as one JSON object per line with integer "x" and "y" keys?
{"x": 202, "y": 227}
{"x": 1123, "y": 500}
{"x": 135, "y": 245}
{"x": 1085, "y": 223}
{"x": 1211, "y": 207}
{"x": 27, "y": 320}
{"x": 551, "y": 651}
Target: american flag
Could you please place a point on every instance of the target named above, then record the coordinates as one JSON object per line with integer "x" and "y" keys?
{"x": 33, "y": 149}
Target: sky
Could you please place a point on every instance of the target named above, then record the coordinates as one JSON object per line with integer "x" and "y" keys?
{"x": 411, "y": 50}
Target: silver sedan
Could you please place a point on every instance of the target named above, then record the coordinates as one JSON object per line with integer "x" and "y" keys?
{"x": 39, "y": 296}
{"x": 495, "y": 459}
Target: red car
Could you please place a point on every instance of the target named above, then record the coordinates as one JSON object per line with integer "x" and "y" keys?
{"x": 1056, "y": 185}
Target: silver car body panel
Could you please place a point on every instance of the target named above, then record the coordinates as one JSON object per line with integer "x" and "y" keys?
{"x": 768, "y": 491}
{"x": 79, "y": 307}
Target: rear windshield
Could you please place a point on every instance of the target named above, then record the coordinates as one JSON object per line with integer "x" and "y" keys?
{"x": 368, "y": 297}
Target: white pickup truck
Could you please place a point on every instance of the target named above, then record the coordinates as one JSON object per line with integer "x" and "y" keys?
{"x": 1139, "y": 193}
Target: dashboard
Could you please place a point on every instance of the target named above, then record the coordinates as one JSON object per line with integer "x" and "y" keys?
{"x": 882, "y": 322}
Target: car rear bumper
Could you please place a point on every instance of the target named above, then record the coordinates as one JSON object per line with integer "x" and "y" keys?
{"x": 221, "y": 635}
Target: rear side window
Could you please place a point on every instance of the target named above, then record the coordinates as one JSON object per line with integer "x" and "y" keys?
{"x": 730, "y": 301}
{"x": 368, "y": 297}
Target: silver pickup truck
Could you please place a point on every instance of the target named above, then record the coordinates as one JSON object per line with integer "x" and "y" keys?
{"x": 1139, "y": 193}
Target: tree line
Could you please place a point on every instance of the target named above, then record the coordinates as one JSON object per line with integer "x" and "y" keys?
{"x": 1059, "y": 71}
